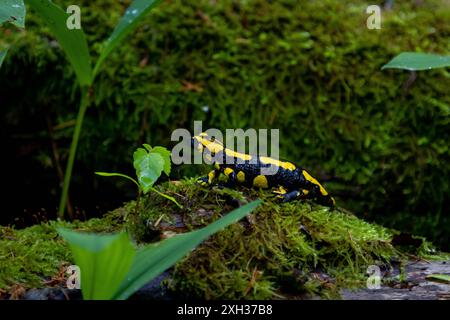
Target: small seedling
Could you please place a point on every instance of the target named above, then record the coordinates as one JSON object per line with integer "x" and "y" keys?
{"x": 149, "y": 164}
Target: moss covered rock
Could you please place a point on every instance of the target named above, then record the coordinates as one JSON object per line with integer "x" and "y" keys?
{"x": 281, "y": 250}
{"x": 30, "y": 257}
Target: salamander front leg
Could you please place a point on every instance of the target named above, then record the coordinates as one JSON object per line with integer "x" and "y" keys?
{"x": 285, "y": 195}
{"x": 209, "y": 179}
{"x": 291, "y": 195}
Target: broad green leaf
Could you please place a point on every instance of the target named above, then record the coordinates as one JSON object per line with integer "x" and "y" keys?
{"x": 164, "y": 153}
{"x": 439, "y": 277}
{"x": 166, "y": 156}
{"x": 2, "y": 56}
{"x": 148, "y": 168}
{"x": 418, "y": 61}
{"x": 154, "y": 259}
{"x": 129, "y": 21}
{"x": 73, "y": 42}
{"x": 114, "y": 174}
{"x": 104, "y": 261}
{"x": 12, "y": 11}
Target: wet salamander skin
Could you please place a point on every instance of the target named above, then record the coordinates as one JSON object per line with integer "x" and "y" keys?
{"x": 292, "y": 182}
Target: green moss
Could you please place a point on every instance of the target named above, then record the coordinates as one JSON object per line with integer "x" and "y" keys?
{"x": 289, "y": 250}
{"x": 30, "y": 256}
{"x": 280, "y": 250}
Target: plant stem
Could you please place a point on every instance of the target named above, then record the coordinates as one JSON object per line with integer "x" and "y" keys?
{"x": 73, "y": 150}
{"x": 57, "y": 163}
{"x": 167, "y": 197}
{"x": 138, "y": 203}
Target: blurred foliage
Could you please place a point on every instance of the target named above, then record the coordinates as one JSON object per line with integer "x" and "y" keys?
{"x": 309, "y": 68}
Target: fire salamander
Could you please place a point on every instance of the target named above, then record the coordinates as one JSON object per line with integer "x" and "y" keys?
{"x": 291, "y": 182}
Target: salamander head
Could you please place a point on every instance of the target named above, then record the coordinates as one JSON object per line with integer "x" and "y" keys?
{"x": 322, "y": 196}
{"x": 204, "y": 141}
{"x": 326, "y": 201}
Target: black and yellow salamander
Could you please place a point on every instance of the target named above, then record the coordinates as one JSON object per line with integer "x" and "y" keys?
{"x": 291, "y": 182}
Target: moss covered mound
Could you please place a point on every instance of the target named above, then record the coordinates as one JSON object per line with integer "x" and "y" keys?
{"x": 279, "y": 251}
{"x": 30, "y": 257}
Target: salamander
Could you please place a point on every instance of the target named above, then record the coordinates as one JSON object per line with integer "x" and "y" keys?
{"x": 290, "y": 181}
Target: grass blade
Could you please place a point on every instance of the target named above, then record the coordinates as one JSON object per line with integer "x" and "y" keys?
{"x": 443, "y": 278}
{"x": 129, "y": 21}
{"x": 73, "y": 42}
{"x": 2, "y": 56}
{"x": 13, "y": 11}
{"x": 104, "y": 261}
{"x": 155, "y": 259}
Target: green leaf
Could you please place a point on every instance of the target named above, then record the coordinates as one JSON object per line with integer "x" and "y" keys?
{"x": 104, "y": 261}
{"x": 129, "y": 21}
{"x": 13, "y": 11}
{"x": 73, "y": 42}
{"x": 148, "y": 168}
{"x": 166, "y": 156}
{"x": 418, "y": 61}
{"x": 154, "y": 259}
{"x": 114, "y": 174}
{"x": 148, "y": 147}
{"x": 445, "y": 278}
{"x": 2, "y": 56}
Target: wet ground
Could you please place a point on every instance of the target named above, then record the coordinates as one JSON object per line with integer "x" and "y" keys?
{"x": 417, "y": 284}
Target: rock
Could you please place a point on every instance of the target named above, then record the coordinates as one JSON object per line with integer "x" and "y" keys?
{"x": 415, "y": 286}
{"x": 52, "y": 294}
{"x": 154, "y": 290}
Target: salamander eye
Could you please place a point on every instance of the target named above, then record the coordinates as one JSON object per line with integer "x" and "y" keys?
{"x": 196, "y": 144}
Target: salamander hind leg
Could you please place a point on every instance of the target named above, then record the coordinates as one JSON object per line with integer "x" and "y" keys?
{"x": 231, "y": 178}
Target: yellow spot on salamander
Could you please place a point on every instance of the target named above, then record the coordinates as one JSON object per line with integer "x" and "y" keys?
{"x": 281, "y": 164}
{"x": 260, "y": 181}
{"x": 240, "y": 177}
{"x": 313, "y": 180}
{"x": 217, "y": 166}
{"x": 228, "y": 171}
